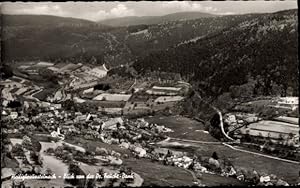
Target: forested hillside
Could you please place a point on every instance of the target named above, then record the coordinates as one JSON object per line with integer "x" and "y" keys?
{"x": 260, "y": 54}
{"x": 116, "y": 46}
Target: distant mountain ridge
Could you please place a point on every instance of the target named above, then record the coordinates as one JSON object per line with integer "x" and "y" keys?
{"x": 150, "y": 20}
{"x": 50, "y": 20}
{"x": 117, "y": 45}
{"x": 41, "y": 20}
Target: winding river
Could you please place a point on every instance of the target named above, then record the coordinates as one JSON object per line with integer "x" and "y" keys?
{"x": 57, "y": 166}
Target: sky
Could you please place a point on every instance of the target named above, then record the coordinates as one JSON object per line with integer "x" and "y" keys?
{"x": 97, "y": 11}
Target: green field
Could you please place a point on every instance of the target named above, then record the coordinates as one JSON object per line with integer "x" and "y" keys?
{"x": 108, "y": 104}
{"x": 158, "y": 174}
{"x": 45, "y": 93}
{"x": 184, "y": 128}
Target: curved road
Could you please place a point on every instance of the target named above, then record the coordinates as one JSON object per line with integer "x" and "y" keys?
{"x": 216, "y": 109}
{"x": 193, "y": 142}
{"x": 229, "y": 138}
{"x": 262, "y": 155}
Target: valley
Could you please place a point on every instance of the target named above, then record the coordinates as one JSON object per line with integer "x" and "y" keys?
{"x": 182, "y": 99}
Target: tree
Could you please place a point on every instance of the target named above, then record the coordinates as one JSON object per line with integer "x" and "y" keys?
{"x": 123, "y": 184}
{"x": 36, "y": 157}
{"x": 75, "y": 170}
{"x": 68, "y": 104}
{"x": 59, "y": 151}
{"x": 6, "y": 71}
{"x": 215, "y": 156}
{"x": 4, "y": 149}
{"x": 101, "y": 173}
{"x": 111, "y": 182}
{"x": 48, "y": 171}
{"x": 91, "y": 183}
{"x": 289, "y": 91}
{"x": 167, "y": 109}
{"x": 247, "y": 136}
{"x": 118, "y": 125}
{"x": 14, "y": 104}
{"x": 50, "y": 150}
{"x": 291, "y": 135}
{"x": 132, "y": 90}
{"x": 128, "y": 170}
{"x": 26, "y": 143}
{"x": 17, "y": 150}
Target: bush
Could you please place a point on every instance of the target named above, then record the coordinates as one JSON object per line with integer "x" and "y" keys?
{"x": 48, "y": 171}
{"x": 17, "y": 150}
{"x": 50, "y": 150}
{"x": 36, "y": 157}
{"x": 74, "y": 169}
{"x": 26, "y": 143}
{"x": 6, "y": 71}
{"x": 14, "y": 104}
{"x": 58, "y": 151}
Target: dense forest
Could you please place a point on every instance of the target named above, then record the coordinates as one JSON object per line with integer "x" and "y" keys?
{"x": 255, "y": 57}
{"x": 35, "y": 37}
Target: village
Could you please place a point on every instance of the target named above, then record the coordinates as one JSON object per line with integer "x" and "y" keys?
{"x": 46, "y": 115}
{"x": 86, "y": 105}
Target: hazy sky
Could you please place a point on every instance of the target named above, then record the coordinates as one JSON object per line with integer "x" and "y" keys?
{"x": 104, "y": 10}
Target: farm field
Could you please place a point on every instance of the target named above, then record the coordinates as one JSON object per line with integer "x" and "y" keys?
{"x": 255, "y": 106}
{"x": 275, "y": 126}
{"x": 108, "y": 104}
{"x": 183, "y": 127}
{"x": 112, "y": 97}
{"x": 215, "y": 180}
{"x": 118, "y": 82}
{"x": 43, "y": 94}
{"x": 169, "y": 99}
{"x": 158, "y": 174}
{"x": 286, "y": 119}
{"x": 44, "y": 64}
{"x": 113, "y": 110}
{"x": 142, "y": 97}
